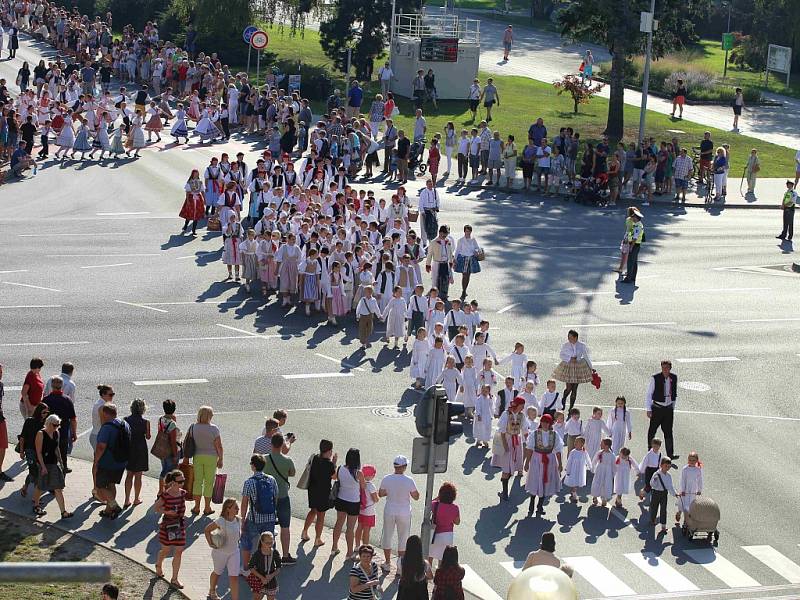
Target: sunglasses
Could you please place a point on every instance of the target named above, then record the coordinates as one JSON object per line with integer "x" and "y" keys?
{"x": 179, "y": 480}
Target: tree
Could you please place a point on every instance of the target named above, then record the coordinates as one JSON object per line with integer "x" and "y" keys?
{"x": 363, "y": 26}
{"x": 615, "y": 24}
{"x": 777, "y": 22}
{"x": 572, "y": 85}
{"x": 219, "y": 25}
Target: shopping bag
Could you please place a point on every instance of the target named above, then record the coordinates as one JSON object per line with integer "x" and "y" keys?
{"x": 218, "y": 493}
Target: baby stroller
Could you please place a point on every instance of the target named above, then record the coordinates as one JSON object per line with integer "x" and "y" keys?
{"x": 593, "y": 190}
{"x": 415, "y": 157}
{"x": 702, "y": 519}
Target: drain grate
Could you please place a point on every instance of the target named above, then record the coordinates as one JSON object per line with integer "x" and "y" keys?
{"x": 393, "y": 413}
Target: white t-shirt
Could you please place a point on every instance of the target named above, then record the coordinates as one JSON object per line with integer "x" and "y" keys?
{"x": 398, "y": 494}
{"x": 544, "y": 161}
{"x": 232, "y": 531}
{"x": 96, "y": 424}
{"x": 369, "y": 509}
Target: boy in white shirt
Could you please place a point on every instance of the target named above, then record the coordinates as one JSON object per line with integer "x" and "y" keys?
{"x": 661, "y": 489}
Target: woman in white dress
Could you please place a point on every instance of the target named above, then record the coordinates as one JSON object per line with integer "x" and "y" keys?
{"x": 510, "y": 160}
{"x": 394, "y": 314}
{"x": 691, "y": 484}
{"x": 179, "y": 128}
{"x": 136, "y": 139}
{"x": 206, "y": 128}
{"x": 545, "y": 446}
{"x": 510, "y": 427}
{"x": 66, "y": 138}
{"x": 603, "y": 466}
{"x": 575, "y": 366}
{"x": 467, "y": 250}
{"x": 288, "y": 259}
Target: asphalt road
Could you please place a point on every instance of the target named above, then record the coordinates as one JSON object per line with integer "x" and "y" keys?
{"x": 94, "y": 271}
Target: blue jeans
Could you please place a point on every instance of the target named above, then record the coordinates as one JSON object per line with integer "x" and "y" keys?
{"x": 168, "y": 464}
{"x": 250, "y": 540}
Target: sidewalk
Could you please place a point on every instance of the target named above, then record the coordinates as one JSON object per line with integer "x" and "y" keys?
{"x": 134, "y": 533}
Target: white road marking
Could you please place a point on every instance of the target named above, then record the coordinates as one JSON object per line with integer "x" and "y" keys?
{"x": 198, "y": 255}
{"x": 779, "y": 320}
{"x": 776, "y": 561}
{"x": 602, "y": 579}
{"x": 708, "y": 413}
{"x": 250, "y": 333}
{"x": 620, "y": 516}
{"x": 35, "y": 287}
{"x": 13, "y": 388}
{"x": 102, "y": 255}
{"x": 14, "y": 271}
{"x": 507, "y": 308}
{"x": 707, "y": 359}
{"x": 34, "y": 306}
{"x": 218, "y": 337}
{"x": 694, "y": 386}
{"x": 318, "y": 375}
{"x": 618, "y": 325}
{"x": 475, "y": 585}
{"x": 209, "y": 302}
{"x": 141, "y": 306}
{"x": 83, "y": 433}
{"x": 743, "y": 289}
{"x": 169, "y": 381}
{"x": 114, "y": 214}
{"x": 337, "y": 361}
{"x": 513, "y": 567}
{"x": 721, "y": 567}
{"x": 661, "y": 572}
{"x": 321, "y": 408}
{"x": 47, "y": 344}
{"x": 60, "y": 235}
{"x": 606, "y": 363}
{"x": 693, "y": 595}
{"x": 104, "y": 266}
{"x": 582, "y": 247}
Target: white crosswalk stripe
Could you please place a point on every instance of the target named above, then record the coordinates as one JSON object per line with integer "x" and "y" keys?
{"x": 776, "y": 561}
{"x": 475, "y": 585}
{"x": 661, "y": 572}
{"x": 603, "y": 580}
{"x": 721, "y": 567}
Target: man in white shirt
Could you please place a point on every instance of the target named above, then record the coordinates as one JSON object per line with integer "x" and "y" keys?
{"x": 659, "y": 402}
{"x": 543, "y": 164}
{"x": 385, "y": 75}
{"x": 474, "y": 96}
{"x": 366, "y": 311}
{"x": 439, "y": 263}
{"x": 420, "y": 126}
{"x": 398, "y": 489}
{"x": 429, "y": 207}
{"x": 68, "y": 387}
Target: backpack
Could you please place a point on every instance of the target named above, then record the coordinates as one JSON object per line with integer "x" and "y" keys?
{"x": 265, "y": 499}
{"x": 121, "y": 450}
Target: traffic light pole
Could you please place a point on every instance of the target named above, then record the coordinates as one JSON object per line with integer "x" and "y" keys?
{"x": 427, "y": 523}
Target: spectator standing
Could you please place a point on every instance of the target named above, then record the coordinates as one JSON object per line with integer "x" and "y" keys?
{"x": 510, "y": 161}
{"x": 110, "y": 459}
{"x": 389, "y": 141}
{"x": 206, "y": 459}
{"x": 738, "y": 105}
{"x": 474, "y": 97}
{"x": 682, "y": 167}
{"x": 385, "y": 75}
{"x": 264, "y": 566}
{"x": 3, "y": 431}
{"x": 226, "y": 555}
{"x": 537, "y": 131}
{"x": 138, "y": 461}
{"x": 348, "y": 500}
{"x": 490, "y": 96}
{"x": 68, "y": 385}
{"x": 788, "y": 206}
{"x": 106, "y": 393}
{"x": 751, "y": 171}
{"x": 376, "y": 115}
{"x": 257, "y": 508}
{"x": 27, "y": 444}
{"x": 448, "y": 577}
{"x": 445, "y": 516}
{"x": 508, "y": 41}
{"x": 355, "y": 97}
{"x": 679, "y": 99}
{"x": 281, "y": 468}
{"x": 168, "y": 425}
{"x": 365, "y": 581}
{"x": 398, "y": 489}
{"x": 403, "y": 150}
{"x": 322, "y": 472}
{"x": 51, "y": 471}
{"x": 420, "y": 126}
{"x": 171, "y": 505}
{"x": 63, "y": 407}
{"x": 418, "y": 89}
{"x": 416, "y": 572}
{"x": 706, "y": 156}
{"x": 32, "y": 388}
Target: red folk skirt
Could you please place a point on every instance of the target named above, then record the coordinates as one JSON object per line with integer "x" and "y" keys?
{"x": 193, "y": 207}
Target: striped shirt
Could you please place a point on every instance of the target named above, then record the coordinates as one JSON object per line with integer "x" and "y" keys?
{"x": 357, "y": 571}
{"x": 251, "y": 492}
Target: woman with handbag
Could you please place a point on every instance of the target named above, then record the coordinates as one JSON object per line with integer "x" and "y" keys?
{"x": 137, "y": 462}
{"x": 468, "y": 257}
{"x": 321, "y": 470}
{"x": 27, "y": 444}
{"x": 347, "y": 500}
{"x": 445, "y": 516}
{"x": 51, "y": 471}
{"x": 203, "y": 444}
{"x": 223, "y": 537}
{"x": 171, "y": 505}
{"x": 166, "y": 446}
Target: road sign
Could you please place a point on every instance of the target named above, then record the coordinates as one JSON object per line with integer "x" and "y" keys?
{"x": 727, "y": 41}
{"x": 294, "y": 83}
{"x": 259, "y": 40}
{"x": 248, "y": 33}
{"x": 419, "y": 456}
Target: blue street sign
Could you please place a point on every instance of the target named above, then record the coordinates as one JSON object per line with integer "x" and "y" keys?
{"x": 248, "y": 33}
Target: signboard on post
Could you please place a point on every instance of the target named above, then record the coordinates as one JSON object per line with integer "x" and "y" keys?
{"x": 438, "y": 49}
{"x": 259, "y": 40}
{"x": 779, "y": 59}
{"x": 248, "y": 33}
{"x": 294, "y": 83}
{"x": 727, "y": 41}
{"x": 419, "y": 456}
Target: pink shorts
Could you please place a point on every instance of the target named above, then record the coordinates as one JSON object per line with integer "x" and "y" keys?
{"x": 366, "y": 520}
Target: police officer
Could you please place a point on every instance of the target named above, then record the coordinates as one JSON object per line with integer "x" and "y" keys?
{"x": 788, "y": 205}
{"x": 659, "y": 402}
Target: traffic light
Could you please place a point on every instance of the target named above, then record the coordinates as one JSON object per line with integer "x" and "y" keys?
{"x": 445, "y": 411}
{"x": 423, "y": 412}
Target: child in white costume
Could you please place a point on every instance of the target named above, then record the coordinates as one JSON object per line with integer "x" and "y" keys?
{"x": 394, "y": 314}
{"x": 578, "y": 462}
{"x": 450, "y": 378}
{"x": 519, "y": 362}
{"x": 484, "y": 412}
{"x": 469, "y": 386}
{"x": 619, "y": 423}
{"x": 691, "y": 484}
{"x": 419, "y": 357}
{"x": 603, "y": 467}
{"x": 594, "y": 430}
{"x": 623, "y": 467}
{"x": 544, "y": 447}
{"x": 435, "y": 363}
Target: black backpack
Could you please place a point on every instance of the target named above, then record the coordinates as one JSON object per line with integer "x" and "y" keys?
{"x": 121, "y": 450}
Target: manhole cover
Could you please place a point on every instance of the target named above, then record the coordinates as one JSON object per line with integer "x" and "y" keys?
{"x": 694, "y": 386}
{"x": 392, "y": 413}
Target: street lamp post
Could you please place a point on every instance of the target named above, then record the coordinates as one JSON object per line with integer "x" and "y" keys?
{"x": 728, "y": 30}
{"x": 646, "y": 76}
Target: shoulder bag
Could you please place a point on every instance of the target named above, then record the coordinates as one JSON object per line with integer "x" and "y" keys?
{"x": 162, "y": 448}
{"x": 189, "y": 445}
{"x": 302, "y": 483}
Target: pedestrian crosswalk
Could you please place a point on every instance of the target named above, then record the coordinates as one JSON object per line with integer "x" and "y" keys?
{"x": 680, "y": 572}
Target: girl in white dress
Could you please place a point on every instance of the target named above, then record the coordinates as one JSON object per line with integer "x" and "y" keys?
{"x": 594, "y": 430}
{"x": 437, "y": 315}
{"x": 419, "y": 357}
{"x": 248, "y": 248}
{"x": 101, "y": 141}
{"x": 435, "y": 363}
{"x": 116, "y": 143}
{"x": 619, "y": 423}
{"x": 450, "y": 378}
{"x": 578, "y": 462}
{"x": 337, "y": 301}
{"x": 485, "y": 405}
{"x": 136, "y": 139}
{"x": 519, "y": 361}
{"x": 469, "y": 386}
{"x": 179, "y": 128}
{"x": 603, "y": 465}
{"x": 691, "y": 484}
{"x": 231, "y": 252}
{"x": 66, "y": 138}
{"x": 394, "y": 313}
{"x": 622, "y": 474}
{"x": 364, "y": 278}
{"x": 544, "y": 447}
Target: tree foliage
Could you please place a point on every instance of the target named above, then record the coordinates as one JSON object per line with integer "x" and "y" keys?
{"x": 615, "y": 24}
{"x": 219, "y": 25}
{"x": 574, "y": 86}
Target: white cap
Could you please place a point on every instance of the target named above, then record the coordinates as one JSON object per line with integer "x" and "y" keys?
{"x": 400, "y": 461}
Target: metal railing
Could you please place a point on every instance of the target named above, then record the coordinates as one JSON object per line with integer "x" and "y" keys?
{"x": 439, "y": 25}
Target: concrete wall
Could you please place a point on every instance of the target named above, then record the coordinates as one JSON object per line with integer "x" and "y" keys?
{"x": 452, "y": 78}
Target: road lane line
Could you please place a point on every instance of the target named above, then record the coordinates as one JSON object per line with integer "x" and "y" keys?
{"x": 13, "y": 388}
{"x": 141, "y": 306}
{"x": 620, "y": 516}
{"x": 507, "y": 308}
{"x": 83, "y": 433}
{"x": 618, "y": 325}
{"x": 114, "y": 214}
{"x": 337, "y": 361}
{"x": 514, "y": 567}
{"x": 14, "y": 271}
{"x": 60, "y": 235}
{"x": 198, "y": 255}
{"x": 778, "y": 320}
{"x": 606, "y": 363}
{"x": 318, "y": 375}
{"x": 743, "y": 289}
{"x": 475, "y": 585}
{"x": 209, "y": 302}
{"x": 35, "y": 287}
{"x": 720, "y": 567}
{"x": 693, "y": 595}
{"x": 661, "y": 572}
{"x": 250, "y": 333}
{"x": 169, "y": 382}
{"x": 776, "y": 561}
{"x": 600, "y": 578}
{"x": 708, "y": 413}
{"x": 104, "y": 266}
{"x": 217, "y": 337}
{"x": 708, "y": 359}
{"x": 46, "y": 344}
{"x": 102, "y": 255}
{"x": 264, "y": 411}
{"x": 34, "y": 306}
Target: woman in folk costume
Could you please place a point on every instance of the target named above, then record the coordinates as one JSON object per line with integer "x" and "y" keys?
{"x": 229, "y": 202}
{"x": 267, "y": 267}
{"x": 101, "y": 141}
{"x": 194, "y": 106}
{"x": 116, "y": 143}
{"x": 309, "y": 269}
{"x": 154, "y": 124}
{"x": 248, "y": 248}
{"x": 66, "y": 138}
{"x": 179, "y": 128}
{"x": 231, "y": 239}
{"x": 575, "y": 366}
{"x": 136, "y": 139}
{"x": 691, "y": 485}
{"x": 193, "y": 208}
{"x": 510, "y": 426}
{"x": 81, "y": 144}
{"x": 288, "y": 258}
{"x": 206, "y": 128}
{"x": 545, "y": 446}
{"x": 485, "y": 406}
{"x": 336, "y": 302}
{"x": 212, "y": 177}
